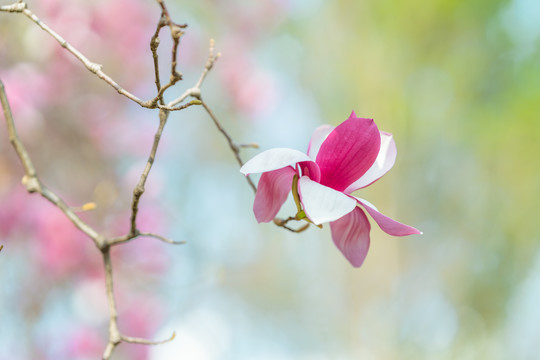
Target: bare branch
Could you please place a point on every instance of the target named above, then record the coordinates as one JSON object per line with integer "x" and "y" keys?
{"x": 114, "y": 335}
{"x": 180, "y": 107}
{"x": 161, "y": 238}
{"x": 16, "y": 7}
{"x": 31, "y": 180}
{"x": 122, "y": 239}
{"x": 196, "y": 90}
{"x": 209, "y": 63}
{"x": 250, "y": 145}
{"x": 139, "y": 189}
{"x": 14, "y": 137}
{"x": 154, "y": 44}
{"x": 283, "y": 223}
{"x": 134, "y": 340}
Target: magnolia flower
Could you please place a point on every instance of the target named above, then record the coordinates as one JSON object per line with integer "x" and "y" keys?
{"x": 339, "y": 161}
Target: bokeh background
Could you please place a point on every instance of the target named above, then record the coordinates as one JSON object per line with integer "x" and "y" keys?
{"x": 456, "y": 82}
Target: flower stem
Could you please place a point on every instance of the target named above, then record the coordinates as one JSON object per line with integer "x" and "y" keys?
{"x": 301, "y": 214}
{"x": 295, "y": 194}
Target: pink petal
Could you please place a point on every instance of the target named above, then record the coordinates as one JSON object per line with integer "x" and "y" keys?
{"x": 351, "y": 236}
{"x": 274, "y": 186}
{"x": 310, "y": 169}
{"x": 321, "y": 203}
{"x": 348, "y": 152}
{"x": 318, "y": 137}
{"x": 388, "y": 225}
{"x": 384, "y": 162}
{"x": 273, "y": 159}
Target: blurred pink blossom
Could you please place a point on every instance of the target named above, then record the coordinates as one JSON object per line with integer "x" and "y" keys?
{"x": 141, "y": 318}
{"x": 84, "y": 343}
{"x": 11, "y": 215}
{"x": 338, "y": 162}
{"x": 28, "y": 90}
{"x": 60, "y": 247}
{"x": 252, "y": 88}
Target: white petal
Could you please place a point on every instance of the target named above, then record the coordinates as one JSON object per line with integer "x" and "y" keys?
{"x": 273, "y": 159}
{"x": 321, "y": 203}
{"x": 384, "y": 162}
{"x": 319, "y": 135}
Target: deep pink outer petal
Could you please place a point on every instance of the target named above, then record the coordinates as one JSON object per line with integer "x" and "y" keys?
{"x": 318, "y": 137}
{"x": 351, "y": 236}
{"x": 388, "y": 225}
{"x": 274, "y": 186}
{"x": 348, "y": 152}
{"x": 384, "y": 162}
{"x": 273, "y": 159}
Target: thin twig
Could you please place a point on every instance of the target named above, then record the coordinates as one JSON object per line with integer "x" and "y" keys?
{"x": 16, "y": 7}
{"x": 283, "y": 223}
{"x": 134, "y": 340}
{"x": 209, "y": 63}
{"x": 114, "y": 334}
{"x": 196, "y": 90}
{"x": 115, "y": 337}
{"x": 234, "y": 147}
{"x": 139, "y": 189}
{"x": 250, "y": 145}
{"x": 176, "y": 34}
{"x": 180, "y": 107}
{"x": 161, "y": 238}
{"x": 154, "y": 44}
{"x": 122, "y": 239}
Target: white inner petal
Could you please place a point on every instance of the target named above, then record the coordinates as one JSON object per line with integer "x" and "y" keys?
{"x": 323, "y": 204}
{"x": 273, "y": 159}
